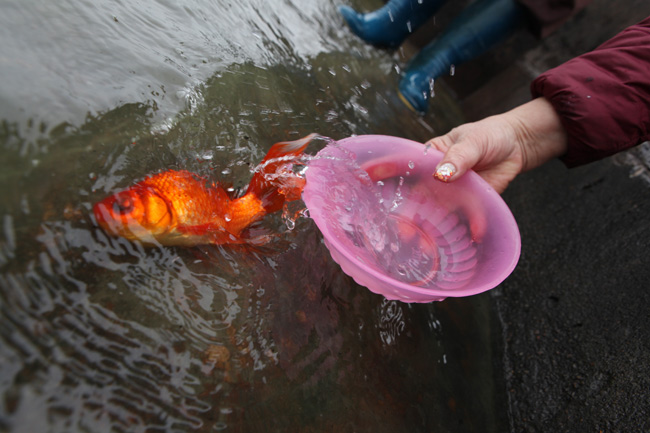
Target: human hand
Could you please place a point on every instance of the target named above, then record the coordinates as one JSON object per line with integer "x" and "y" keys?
{"x": 500, "y": 147}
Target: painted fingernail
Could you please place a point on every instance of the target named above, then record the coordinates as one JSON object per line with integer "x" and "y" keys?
{"x": 445, "y": 172}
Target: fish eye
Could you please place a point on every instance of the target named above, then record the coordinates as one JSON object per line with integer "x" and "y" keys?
{"x": 123, "y": 205}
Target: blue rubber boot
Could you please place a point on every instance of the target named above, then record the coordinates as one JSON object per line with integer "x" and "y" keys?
{"x": 391, "y": 24}
{"x": 482, "y": 25}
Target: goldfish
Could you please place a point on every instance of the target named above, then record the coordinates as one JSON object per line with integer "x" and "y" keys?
{"x": 180, "y": 208}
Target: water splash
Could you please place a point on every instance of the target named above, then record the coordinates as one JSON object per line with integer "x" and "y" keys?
{"x": 391, "y": 322}
{"x": 364, "y": 210}
{"x": 289, "y": 179}
{"x": 398, "y": 198}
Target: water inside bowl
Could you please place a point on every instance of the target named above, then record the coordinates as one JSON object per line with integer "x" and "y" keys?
{"x": 427, "y": 228}
{"x": 386, "y": 218}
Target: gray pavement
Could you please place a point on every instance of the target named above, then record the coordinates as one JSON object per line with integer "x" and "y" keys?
{"x": 575, "y": 314}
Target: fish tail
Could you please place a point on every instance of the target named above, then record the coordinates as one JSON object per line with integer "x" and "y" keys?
{"x": 263, "y": 185}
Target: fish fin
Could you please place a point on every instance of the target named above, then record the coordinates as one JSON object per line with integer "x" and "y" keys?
{"x": 383, "y": 168}
{"x": 263, "y": 187}
{"x": 200, "y": 229}
{"x": 210, "y": 233}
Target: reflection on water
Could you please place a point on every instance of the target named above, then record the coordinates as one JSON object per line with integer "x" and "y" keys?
{"x": 101, "y": 334}
{"x": 85, "y": 55}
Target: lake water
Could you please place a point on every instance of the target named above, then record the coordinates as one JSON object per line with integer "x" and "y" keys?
{"x": 99, "y": 334}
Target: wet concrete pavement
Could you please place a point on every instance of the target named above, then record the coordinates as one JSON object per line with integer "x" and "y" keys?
{"x": 575, "y": 314}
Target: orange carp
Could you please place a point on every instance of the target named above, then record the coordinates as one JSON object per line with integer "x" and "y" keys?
{"x": 179, "y": 208}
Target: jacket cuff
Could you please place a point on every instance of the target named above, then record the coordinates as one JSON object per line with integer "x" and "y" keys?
{"x": 600, "y": 110}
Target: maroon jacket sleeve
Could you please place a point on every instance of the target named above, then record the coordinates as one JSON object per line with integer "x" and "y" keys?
{"x": 603, "y": 97}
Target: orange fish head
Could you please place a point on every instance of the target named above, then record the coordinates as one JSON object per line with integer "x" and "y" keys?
{"x": 138, "y": 213}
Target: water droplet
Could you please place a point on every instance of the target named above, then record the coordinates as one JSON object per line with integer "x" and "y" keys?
{"x": 226, "y": 171}
{"x": 411, "y": 165}
{"x": 227, "y": 217}
{"x": 432, "y": 93}
{"x": 452, "y": 70}
{"x": 408, "y": 26}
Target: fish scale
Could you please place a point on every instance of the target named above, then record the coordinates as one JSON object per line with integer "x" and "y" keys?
{"x": 192, "y": 201}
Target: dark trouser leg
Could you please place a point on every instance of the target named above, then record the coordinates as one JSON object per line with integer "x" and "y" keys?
{"x": 482, "y": 25}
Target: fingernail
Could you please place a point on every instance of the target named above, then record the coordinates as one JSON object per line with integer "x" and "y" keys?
{"x": 445, "y": 172}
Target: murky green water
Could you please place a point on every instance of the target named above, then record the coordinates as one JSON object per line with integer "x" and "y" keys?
{"x": 100, "y": 334}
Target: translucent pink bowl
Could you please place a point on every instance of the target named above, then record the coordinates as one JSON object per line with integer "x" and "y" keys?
{"x": 401, "y": 233}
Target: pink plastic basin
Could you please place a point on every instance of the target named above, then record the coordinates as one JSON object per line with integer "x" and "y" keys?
{"x": 401, "y": 233}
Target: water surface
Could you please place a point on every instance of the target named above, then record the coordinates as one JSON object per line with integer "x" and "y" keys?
{"x": 102, "y": 334}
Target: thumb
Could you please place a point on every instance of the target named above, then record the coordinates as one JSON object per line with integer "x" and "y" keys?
{"x": 459, "y": 157}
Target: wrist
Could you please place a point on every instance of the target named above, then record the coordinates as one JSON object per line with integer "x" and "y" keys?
{"x": 539, "y": 133}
